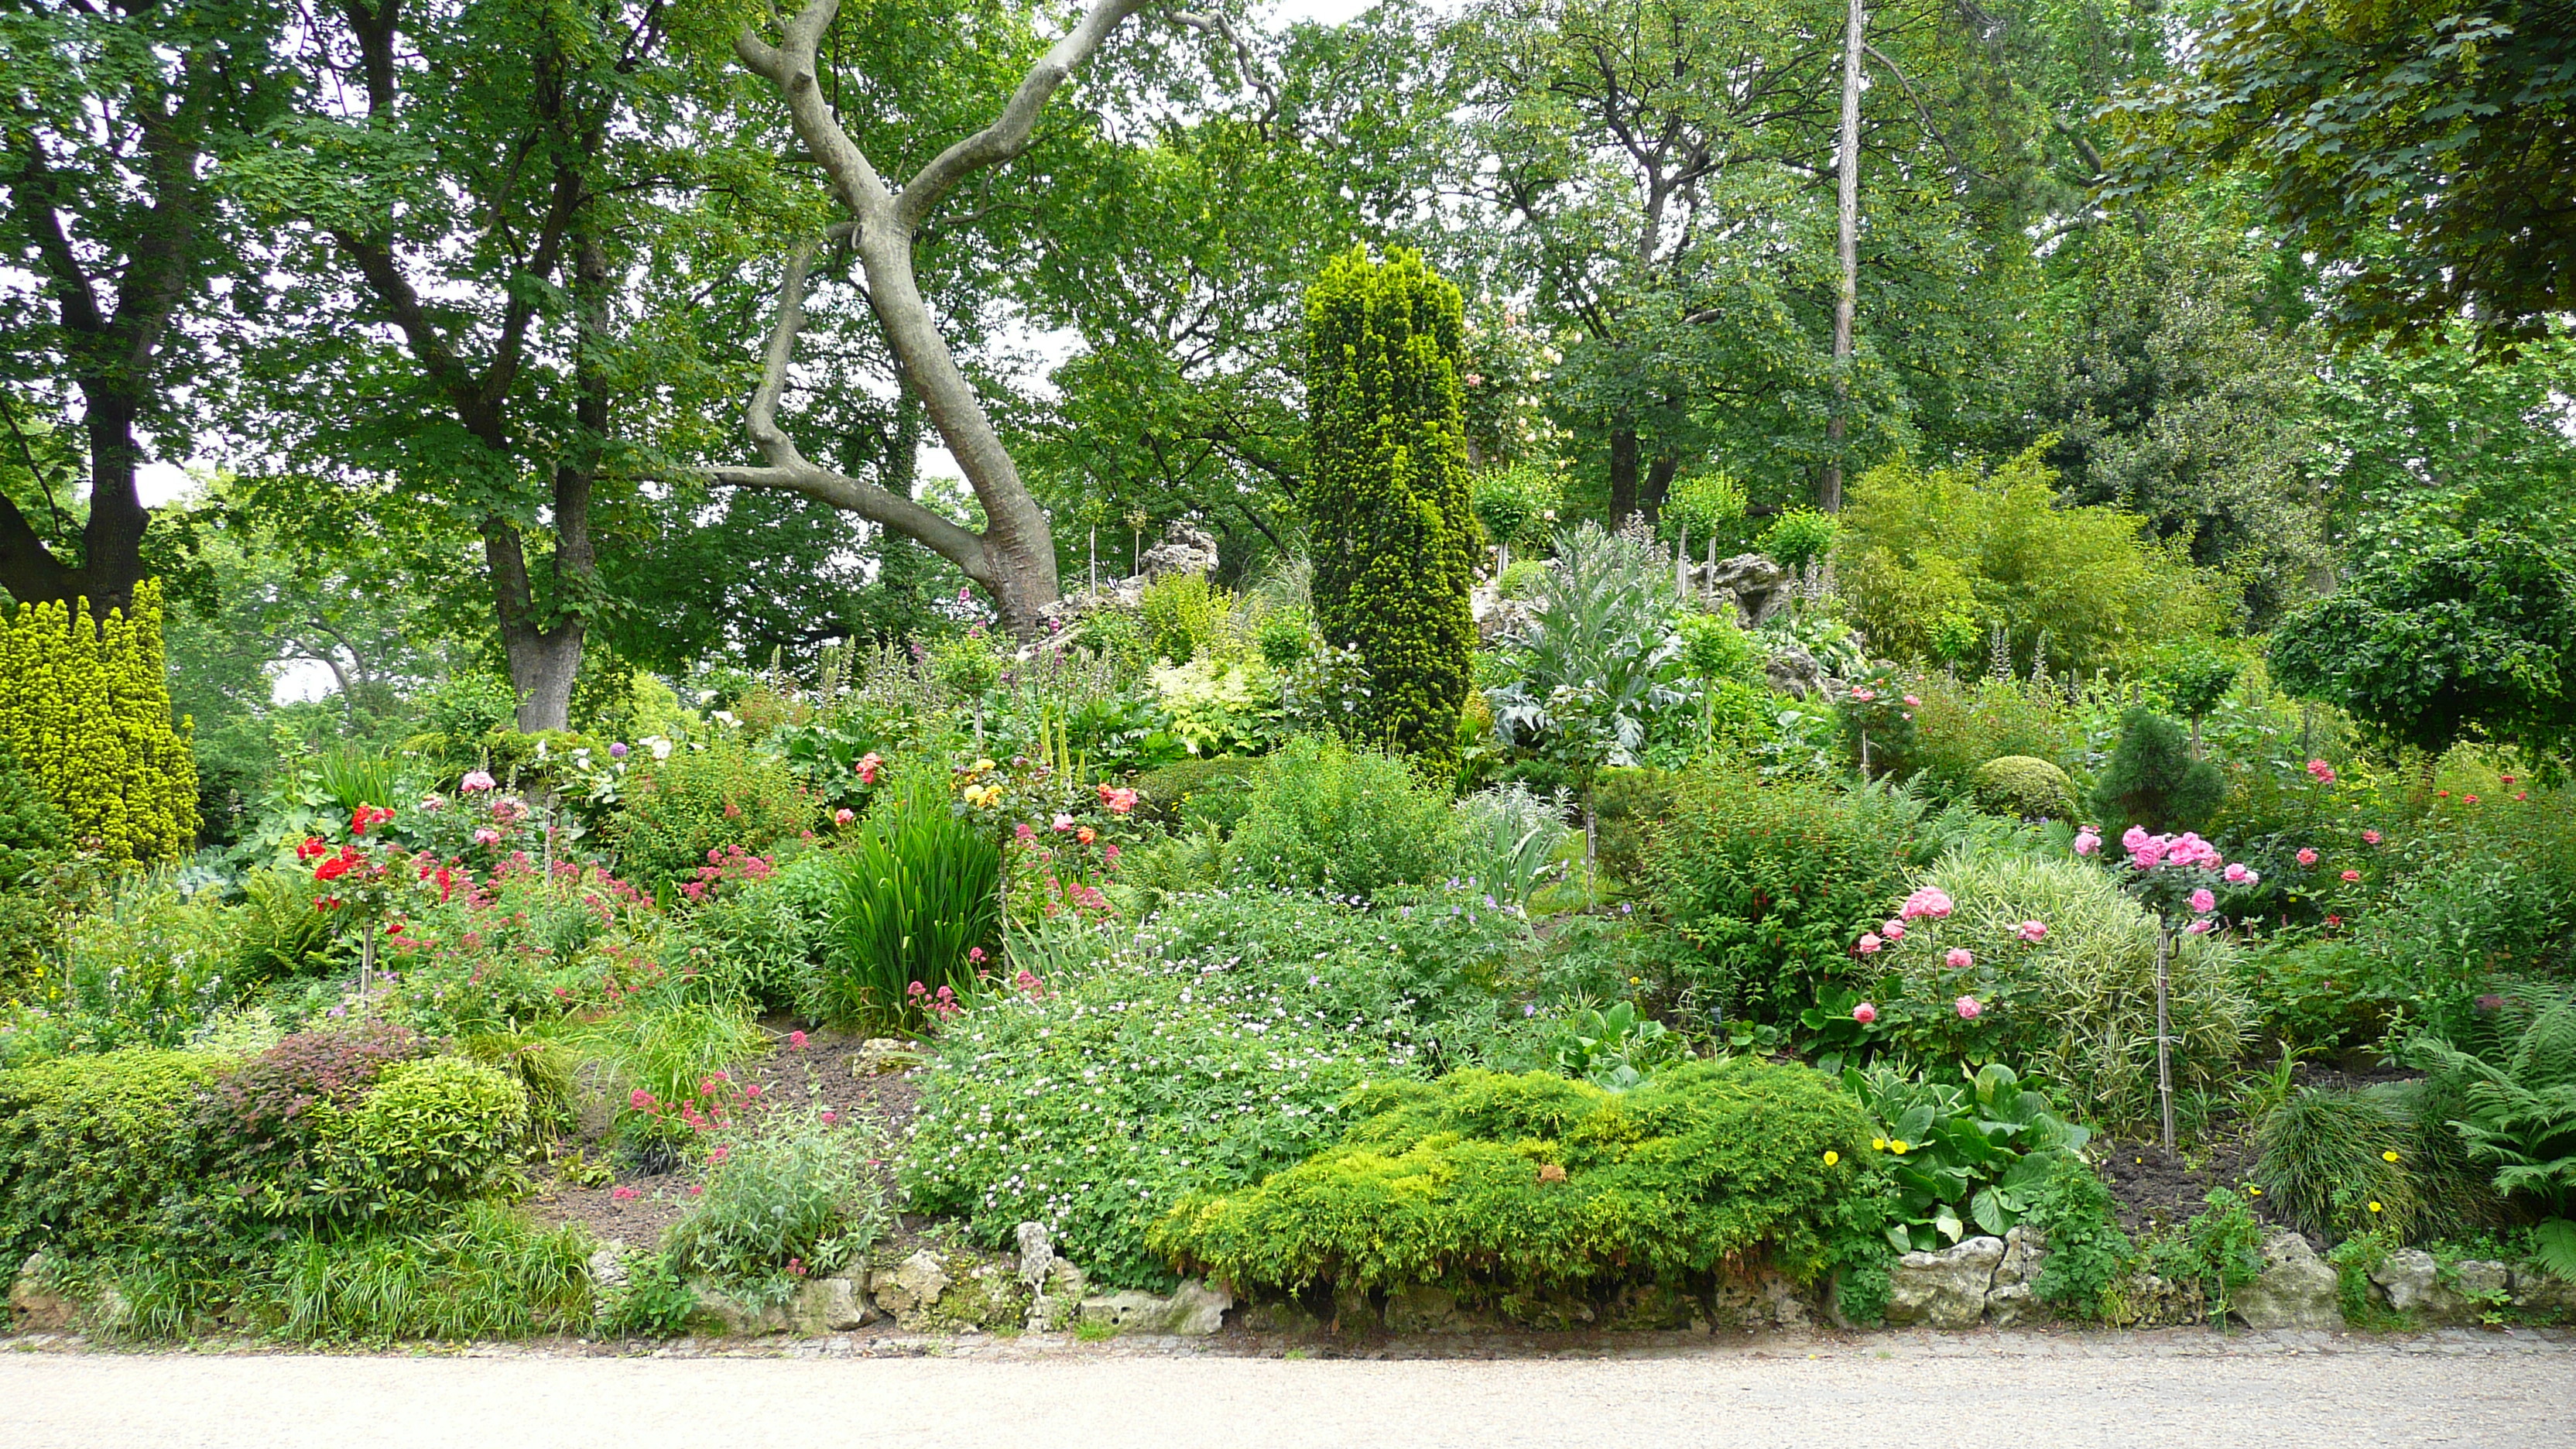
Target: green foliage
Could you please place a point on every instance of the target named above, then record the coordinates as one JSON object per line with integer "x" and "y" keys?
{"x": 2077, "y": 1007}
{"x": 484, "y": 1273}
{"x": 1714, "y": 648}
{"x": 918, "y": 889}
{"x": 1214, "y": 706}
{"x": 276, "y": 931}
{"x": 759, "y": 942}
{"x": 669, "y": 1051}
{"x": 797, "y": 1198}
{"x": 1588, "y": 669}
{"x": 1185, "y": 618}
{"x": 2220, "y": 1251}
{"x": 2152, "y": 779}
{"x": 2471, "y": 636}
{"x": 2030, "y": 788}
{"x": 1614, "y": 1048}
{"x": 1516, "y": 505}
{"x": 1799, "y": 537}
{"x": 676, "y": 813}
{"x": 85, "y": 708}
{"x": 1386, "y": 502}
{"x": 91, "y": 1145}
{"x": 2520, "y": 1117}
{"x": 2323, "y": 1159}
{"x": 1213, "y": 789}
{"x": 2088, "y": 1255}
{"x": 1978, "y": 1154}
{"x": 265, "y": 1128}
{"x": 2194, "y": 677}
{"x": 1518, "y": 1183}
{"x": 1509, "y": 841}
{"x": 147, "y": 969}
{"x": 655, "y": 1303}
{"x": 1771, "y": 883}
{"x": 33, "y": 836}
{"x": 434, "y": 1130}
{"x": 1215, "y": 1049}
{"x": 1919, "y": 547}
{"x": 1702, "y": 507}
{"x": 1329, "y": 816}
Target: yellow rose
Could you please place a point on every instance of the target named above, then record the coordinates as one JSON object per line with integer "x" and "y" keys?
{"x": 1832, "y": 1157}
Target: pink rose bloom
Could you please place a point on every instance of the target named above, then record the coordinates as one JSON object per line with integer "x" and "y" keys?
{"x": 2307, "y": 857}
{"x": 843, "y": 817}
{"x": 1864, "y": 695}
{"x": 2135, "y": 837}
{"x": 1930, "y": 901}
{"x": 1959, "y": 958}
{"x": 2197, "y": 928}
{"x": 2237, "y": 874}
{"x": 1912, "y": 703}
{"x": 487, "y": 836}
{"x": 2203, "y": 902}
{"x": 2351, "y": 875}
{"x": 1064, "y": 822}
{"x": 2087, "y": 841}
{"x": 1892, "y": 930}
{"x": 1864, "y": 1013}
{"x": 2370, "y": 837}
{"x": 868, "y": 766}
{"x": 1869, "y": 944}
{"x": 1968, "y": 1008}
{"x": 476, "y": 780}
{"x": 2032, "y": 931}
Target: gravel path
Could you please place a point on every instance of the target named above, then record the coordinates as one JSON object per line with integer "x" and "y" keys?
{"x": 2061, "y": 1391}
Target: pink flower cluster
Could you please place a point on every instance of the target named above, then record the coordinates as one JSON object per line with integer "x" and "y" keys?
{"x": 2321, "y": 772}
{"x": 1931, "y": 901}
{"x": 2146, "y": 852}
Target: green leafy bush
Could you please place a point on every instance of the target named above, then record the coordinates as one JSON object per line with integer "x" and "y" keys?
{"x": 1613, "y": 1047}
{"x": 2520, "y": 1116}
{"x": 2030, "y": 788}
{"x": 2088, "y": 1255}
{"x": 1772, "y": 883}
{"x": 276, "y": 931}
{"x": 1967, "y": 1155}
{"x": 1328, "y": 816}
{"x": 1799, "y": 537}
{"x": 1185, "y": 618}
{"x": 1216, "y": 789}
{"x": 1588, "y": 670}
{"x": 33, "y": 835}
{"x": 1516, "y": 505}
{"x": 2077, "y": 1006}
{"x": 1499, "y": 1184}
{"x": 676, "y": 813}
{"x": 432, "y": 1130}
{"x": 1509, "y": 840}
{"x": 656, "y": 1302}
{"x": 90, "y": 1146}
{"x": 2334, "y": 1163}
{"x": 262, "y": 1127}
{"x": 1218, "y": 1047}
{"x": 758, "y": 941}
{"x": 2152, "y": 779}
{"x": 917, "y": 892}
{"x": 797, "y": 1198}
{"x": 2219, "y": 1252}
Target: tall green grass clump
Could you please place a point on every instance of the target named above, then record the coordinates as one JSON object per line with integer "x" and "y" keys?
{"x": 917, "y": 892}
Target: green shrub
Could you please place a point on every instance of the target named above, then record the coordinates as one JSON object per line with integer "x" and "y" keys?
{"x": 1771, "y": 884}
{"x": 1627, "y": 807}
{"x": 798, "y": 1198}
{"x": 2323, "y": 1159}
{"x": 1969, "y": 1155}
{"x": 1217, "y": 1048}
{"x": 1216, "y": 789}
{"x": 1513, "y": 1184}
{"x": 1509, "y": 841}
{"x": 656, "y": 1301}
{"x": 1516, "y": 505}
{"x": 917, "y": 890}
{"x": 677, "y": 813}
{"x": 1329, "y": 816}
{"x": 484, "y": 1273}
{"x": 148, "y": 970}
{"x": 1386, "y": 497}
{"x": 276, "y": 931}
{"x": 2153, "y": 781}
{"x": 33, "y": 835}
{"x": 2219, "y": 1252}
{"x": 1799, "y": 537}
{"x": 2077, "y": 1007}
{"x": 2520, "y": 1116}
{"x": 2088, "y": 1255}
{"x": 433, "y": 1130}
{"x": 262, "y": 1128}
{"x": 1958, "y": 728}
{"x": 1525, "y": 579}
{"x": 90, "y": 1146}
{"x": 2030, "y": 788}
{"x": 759, "y": 941}
{"x": 668, "y": 1050}
{"x": 1185, "y": 618}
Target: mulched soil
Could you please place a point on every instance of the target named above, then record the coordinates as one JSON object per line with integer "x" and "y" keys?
{"x": 821, "y": 1073}
{"x": 2152, "y": 1188}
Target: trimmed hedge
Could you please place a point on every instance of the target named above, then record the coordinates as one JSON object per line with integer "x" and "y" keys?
{"x": 91, "y": 1145}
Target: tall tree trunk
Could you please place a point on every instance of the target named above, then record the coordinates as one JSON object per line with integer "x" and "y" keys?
{"x": 1847, "y": 295}
{"x": 1658, "y": 486}
{"x": 1623, "y": 472}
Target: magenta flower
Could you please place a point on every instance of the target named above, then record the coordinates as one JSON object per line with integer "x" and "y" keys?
{"x": 617, "y": 751}
{"x": 1913, "y": 703}
{"x": 2197, "y": 928}
{"x": 2032, "y": 931}
{"x": 2203, "y": 902}
{"x": 796, "y": 1040}
{"x": 1959, "y": 958}
{"x": 487, "y": 836}
{"x": 1968, "y": 1008}
{"x": 623, "y": 1193}
{"x": 1869, "y": 943}
{"x": 2321, "y": 772}
{"x": 2088, "y": 841}
{"x": 640, "y": 1099}
{"x": 830, "y": 1116}
{"x": 2237, "y": 874}
{"x": 1864, "y": 1013}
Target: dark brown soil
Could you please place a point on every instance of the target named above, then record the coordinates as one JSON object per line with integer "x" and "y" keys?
{"x": 2152, "y": 1188}
{"x": 638, "y": 1207}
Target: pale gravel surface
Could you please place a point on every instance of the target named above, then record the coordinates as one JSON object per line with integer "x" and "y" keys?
{"x": 2047, "y": 1390}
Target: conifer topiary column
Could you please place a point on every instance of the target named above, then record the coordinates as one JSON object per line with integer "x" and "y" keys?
{"x": 86, "y": 709}
{"x": 1386, "y": 505}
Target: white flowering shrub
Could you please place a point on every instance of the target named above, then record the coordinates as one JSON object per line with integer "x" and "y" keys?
{"x": 1215, "y": 1049}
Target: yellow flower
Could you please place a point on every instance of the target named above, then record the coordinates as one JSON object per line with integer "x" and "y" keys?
{"x": 2253, "y": 1192}
{"x": 983, "y": 767}
{"x": 1832, "y": 1157}
{"x": 1632, "y": 980}
{"x": 1878, "y": 1144}
{"x": 1897, "y": 1147}
{"x": 2389, "y": 1156}
{"x": 2374, "y": 1207}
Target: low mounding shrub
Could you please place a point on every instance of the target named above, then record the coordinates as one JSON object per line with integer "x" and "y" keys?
{"x": 1771, "y": 884}
{"x": 797, "y": 1198}
{"x": 1217, "y": 1048}
{"x": 2020, "y": 785}
{"x": 91, "y": 1145}
{"x": 2078, "y": 1006}
{"x": 435, "y": 1130}
{"x": 2324, "y": 1159}
{"x": 1494, "y": 1185}
{"x": 262, "y": 1125}
{"x": 1327, "y": 817}
{"x": 697, "y": 801}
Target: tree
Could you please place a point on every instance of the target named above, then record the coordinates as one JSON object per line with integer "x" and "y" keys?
{"x": 1386, "y": 510}
{"x": 2471, "y": 637}
{"x": 85, "y": 706}
{"x": 2424, "y": 147}
{"x": 1013, "y": 555}
{"x": 113, "y": 116}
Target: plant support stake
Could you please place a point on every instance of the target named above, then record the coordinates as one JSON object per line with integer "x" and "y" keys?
{"x": 2164, "y": 1031}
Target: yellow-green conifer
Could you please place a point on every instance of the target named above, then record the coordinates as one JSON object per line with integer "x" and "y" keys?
{"x": 86, "y": 709}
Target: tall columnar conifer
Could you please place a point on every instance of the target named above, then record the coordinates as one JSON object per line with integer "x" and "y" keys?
{"x": 1386, "y": 508}
{"x": 85, "y": 706}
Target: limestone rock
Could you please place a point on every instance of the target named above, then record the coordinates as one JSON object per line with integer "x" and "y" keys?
{"x": 1193, "y": 1310}
{"x": 608, "y": 1268}
{"x": 34, "y": 1307}
{"x": 2295, "y": 1291}
{"x": 832, "y": 1305}
{"x": 2013, "y": 1305}
{"x": 913, "y": 1288}
{"x": 2542, "y": 1295}
{"x": 1186, "y": 549}
{"x": 1946, "y": 1289}
{"x": 2025, "y": 1253}
{"x": 2412, "y": 1283}
{"x": 740, "y": 1319}
{"x": 881, "y": 1054}
{"x": 1794, "y": 672}
{"x": 1424, "y": 1309}
{"x": 1760, "y": 587}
